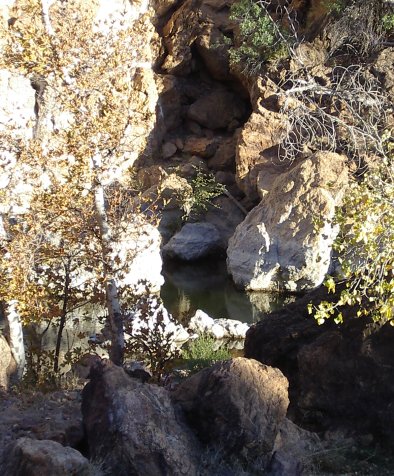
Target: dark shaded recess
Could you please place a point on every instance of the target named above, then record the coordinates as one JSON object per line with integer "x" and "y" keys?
{"x": 340, "y": 376}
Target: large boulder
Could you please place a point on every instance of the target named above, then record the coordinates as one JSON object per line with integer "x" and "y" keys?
{"x": 339, "y": 375}
{"x": 226, "y": 215}
{"x": 237, "y": 405}
{"x": 278, "y": 245}
{"x": 194, "y": 241}
{"x": 256, "y": 153}
{"x": 134, "y": 428}
{"x": 28, "y": 457}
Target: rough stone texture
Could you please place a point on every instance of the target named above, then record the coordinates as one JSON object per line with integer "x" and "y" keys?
{"x": 214, "y": 52}
{"x": 134, "y": 428}
{"x": 162, "y": 7}
{"x": 53, "y": 416}
{"x": 29, "y": 457}
{"x": 224, "y": 158}
{"x": 383, "y": 67}
{"x": 226, "y": 216}
{"x": 150, "y": 177}
{"x": 173, "y": 188}
{"x": 168, "y": 150}
{"x": 179, "y": 35}
{"x": 339, "y": 375}
{"x": 201, "y": 25}
{"x": 293, "y": 447}
{"x": 277, "y": 245}
{"x": 237, "y": 405}
{"x": 256, "y": 142}
{"x": 169, "y": 105}
{"x": 217, "y": 109}
{"x": 7, "y": 363}
{"x": 201, "y": 146}
{"x": 194, "y": 241}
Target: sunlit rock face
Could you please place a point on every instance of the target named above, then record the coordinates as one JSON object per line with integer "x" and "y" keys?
{"x": 17, "y": 121}
{"x": 278, "y": 246}
{"x": 151, "y": 435}
{"x": 32, "y": 108}
{"x": 239, "y": 403}
{"x": 7, "y": 363}
{"x": 257, "y": 164}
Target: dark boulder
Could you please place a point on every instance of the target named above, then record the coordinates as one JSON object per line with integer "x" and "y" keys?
{"x": 28, "y": 457}
{"x": 339, "y": 375}
{"x": 134, "y": 428}
{"x": 237, "y": 405}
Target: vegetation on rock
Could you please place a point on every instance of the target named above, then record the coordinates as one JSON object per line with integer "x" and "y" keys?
{"x": 346, "y": 112}
{"x": 365, "y": 247}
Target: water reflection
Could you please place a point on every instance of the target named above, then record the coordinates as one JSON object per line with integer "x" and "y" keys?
{"x": 207, "y": 286}
{"x": 187, "y": 287}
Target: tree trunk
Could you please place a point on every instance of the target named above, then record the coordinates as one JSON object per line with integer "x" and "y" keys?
{"x": 63, "y": 316}
{"x": 15, "y": 336}
{"x": 116, "y": 353}
{"x": 45, "y": 4}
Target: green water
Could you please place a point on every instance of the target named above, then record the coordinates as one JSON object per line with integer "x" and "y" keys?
{"x": 208, "y": 287}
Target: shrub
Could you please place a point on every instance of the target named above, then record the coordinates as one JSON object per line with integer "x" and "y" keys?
{"x": 260, "y": 37}
{"x": 204, "y": 189}
{"x": 151, "y": 331}
{"x": 203, "y": 352}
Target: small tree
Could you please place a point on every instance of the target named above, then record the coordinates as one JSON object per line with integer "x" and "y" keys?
{"x": 67, "y": 228}
{"x": 151, "y": 333}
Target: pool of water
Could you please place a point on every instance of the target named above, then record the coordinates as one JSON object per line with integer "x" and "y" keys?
{"x": 208, "y": 287}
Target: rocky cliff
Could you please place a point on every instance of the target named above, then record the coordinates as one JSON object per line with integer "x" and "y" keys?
{"x": 192, "y": 108}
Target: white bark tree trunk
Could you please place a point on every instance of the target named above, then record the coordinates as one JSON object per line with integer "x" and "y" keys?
{"x": 14, "y": 323}
{"x": 15, "y": 336}
{"x": 112, "y": 298}
{"x": 45, "y": 5}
